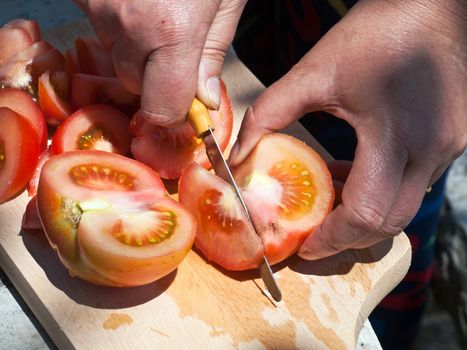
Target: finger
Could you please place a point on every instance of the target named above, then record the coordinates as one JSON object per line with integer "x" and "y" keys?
{"x": 219, "y": 37}
{"x": 367, "y": 198}
{"x": 276, "y": 107}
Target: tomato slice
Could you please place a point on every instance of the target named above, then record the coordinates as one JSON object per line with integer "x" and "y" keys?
{"x": 30, "y": 26}
{"x": 224, "y": 233}
{"x": 36, "y": 49}
{"x": 31, "y": 219}
{"x": 93, "y": 58}
{"x": 110, "y": 220}
{"x": 71, "y": 62}
{"x": 23, "y": 104}
{"x": 12, "y": 41}
{"x": 32, "y": 186}
{"x": 89, "y": 89}
{"x": 19, "y": 152}
{"x": 53, "y": 96}
{"x": 169, "y": 151}
{"x": 98, "y": 127}
{"x": 288, "y": 190}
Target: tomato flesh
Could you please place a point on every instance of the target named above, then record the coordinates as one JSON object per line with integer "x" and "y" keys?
{"x": 170, "y": 150}
{"x": 93, "y": 58}
{"x": 12, "y": 41}
{"x": 53, "y": 104}
{"x": 30, "y": 26}
{"x": 224, "y": 233}
{"x": 98, "y": 127}
{"x": 110, "y": 220}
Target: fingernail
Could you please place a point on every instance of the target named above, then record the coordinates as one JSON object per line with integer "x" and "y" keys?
{"x": 233, "y": 153}
{"x": 213, "y": 87}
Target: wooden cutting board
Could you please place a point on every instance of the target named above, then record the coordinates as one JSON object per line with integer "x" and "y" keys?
{"x": 199, "y": 306}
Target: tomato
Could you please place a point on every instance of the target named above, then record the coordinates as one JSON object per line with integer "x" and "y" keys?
{"x": 110, "y": 220}
{"x": 288, "y": 191}
{"x": 36, "y": 49}
{"x": 23, "y": 104}
{"x": 12, "y": 41}
{"x": 53, "y": 97}
{"x": 30, "y": 26}
{"x": 169, "y": 151}
{"x": 71, "y": 62}
{"x": 89, "y": 89}
{"x": 19, "y": 151}
{"x": 224, "y": 234}
{"x": 98, "y": 127}
{"x": 93, "y": 58}
{"x": 31, "y": 219}
{"x": 32, "y": 186}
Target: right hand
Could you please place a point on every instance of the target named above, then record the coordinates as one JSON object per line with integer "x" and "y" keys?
{"x": 167, "y": 51}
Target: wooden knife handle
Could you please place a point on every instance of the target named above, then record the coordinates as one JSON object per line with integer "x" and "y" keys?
{"x": 198, "y": 117}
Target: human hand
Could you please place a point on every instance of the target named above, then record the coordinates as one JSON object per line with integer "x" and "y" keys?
{"x": 395, "y": 71}
{"x": 167, "y": 51}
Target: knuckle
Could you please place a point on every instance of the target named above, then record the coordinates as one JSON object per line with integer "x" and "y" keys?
{"x": 367, "y": 219}
{"x": 331, "y": 244}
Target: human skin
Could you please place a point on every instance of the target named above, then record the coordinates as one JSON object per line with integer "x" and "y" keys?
{"x": 167, "y": 51}
{"x": 396, "y": 71}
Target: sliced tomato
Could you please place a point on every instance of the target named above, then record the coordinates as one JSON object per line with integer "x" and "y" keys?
{"x": 23, "y": 104}
{"x": 19, "y": 152}
{"x": 32, "y": 186}
{"x": 169, "y": 151}
{"x": 36, "y": 49}
{"x": 224, "y": 234}
{"x": 12, "y": 41}
{"x": 53, "y": 97}
{"x": 71, "y": 62}
{"x": 89, "y": 89}
{"x": 30, "y": 26}
{"x": 109, "y": 219}
{"x": 93, "y": 58}
{"x": 31, "y": 219}
{"x": 98, "y": 127}
{"x": 288, "y": 190}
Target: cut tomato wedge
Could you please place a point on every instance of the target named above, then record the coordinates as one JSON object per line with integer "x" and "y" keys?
{"x": 24, "y": 105}
{"x": 170, "y": 151}
{"x": 19, "y": 152}
{"x": 53, "y": 97}
{"x": 224, "y": 233}
{"x": 12, "y": 41}
{"x": 93, "y": 58}
{"x": 30, "y": 26}
{"x": 89, "y": 90}
{"x": 110, "y": 220}
{"x": 43, "y": 157}
{"x": 32, "y": 51}
{"x": 31, "y": 219}
{"x": 98, "y": 127}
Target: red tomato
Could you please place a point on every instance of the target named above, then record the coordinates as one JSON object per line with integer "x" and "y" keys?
{"x": 12, "y": 41}
{"x": 109, "y": 219}
{"x": 169, "y": 151}
{"x": 98, "y": 127}
{"x": 93, "y": 58}
{"x": 53, "y": 97}
{"x": 32, "y": 51}
{"x": 30, "y": 26}
{"x": 89, "y": 89}
{"x": 43, "y": 157}
{"x": 224, "y": 234}
{"x": 31, "y": 219}
{"x": 288, "y": 191}
{"x": 23, "y": 104}
{"x": 19, "y": 151}
{"x": 71, "y": 62}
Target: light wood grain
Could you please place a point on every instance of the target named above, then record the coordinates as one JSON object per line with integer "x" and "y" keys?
{"x": 200, "y": 306}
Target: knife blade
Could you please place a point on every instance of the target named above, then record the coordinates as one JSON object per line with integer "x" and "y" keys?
{"x": 199, "y": 118}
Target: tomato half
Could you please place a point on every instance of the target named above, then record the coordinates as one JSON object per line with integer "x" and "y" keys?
{"x": 98, "y": 127}
{"x": 19, "y": 152}
{"x": 93, "y": 58}
{"x": 288, "y": 190}
{"x": 109, "y": 219}
{"x": 90, "y": 89}
{"x": 30, "y": 26}
{"x": 53, "y": 97}
{"x": 12, "y": 41}
{"x": 169, "y": 151}
{"x": 224, "y": 234}
{"x": 24, "y": 105}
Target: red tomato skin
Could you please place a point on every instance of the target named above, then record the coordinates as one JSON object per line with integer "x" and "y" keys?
{"x": 111, "y": 118}
{"x": 71, "y": 63}
{"x": 31, "y": 220}
{"x": 12, "y": 41}
{"x": 93, "y": 58}
{"x": 43, "y": 157}
{"x": 30, "y": 26}
{"x": 55, "y": 109}
{"x": 151, "y": 145}
{"x": 23, "y": 104}
{"x": 21, "y": 151}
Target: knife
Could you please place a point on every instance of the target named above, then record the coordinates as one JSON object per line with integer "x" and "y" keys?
{"x": 198, "y": 117}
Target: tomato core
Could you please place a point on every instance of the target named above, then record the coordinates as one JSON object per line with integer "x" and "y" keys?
{"x": 299, "y": 190}
{"x": 99, "y": 177}
{"x": 96, "y": 137}
{"x": 161, "y": 224}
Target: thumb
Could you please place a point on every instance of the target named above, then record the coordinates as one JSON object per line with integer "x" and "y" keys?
{"x": 305, "y": 88}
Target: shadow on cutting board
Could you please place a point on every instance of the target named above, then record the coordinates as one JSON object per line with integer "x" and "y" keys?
{"x": 83, "y": 292}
